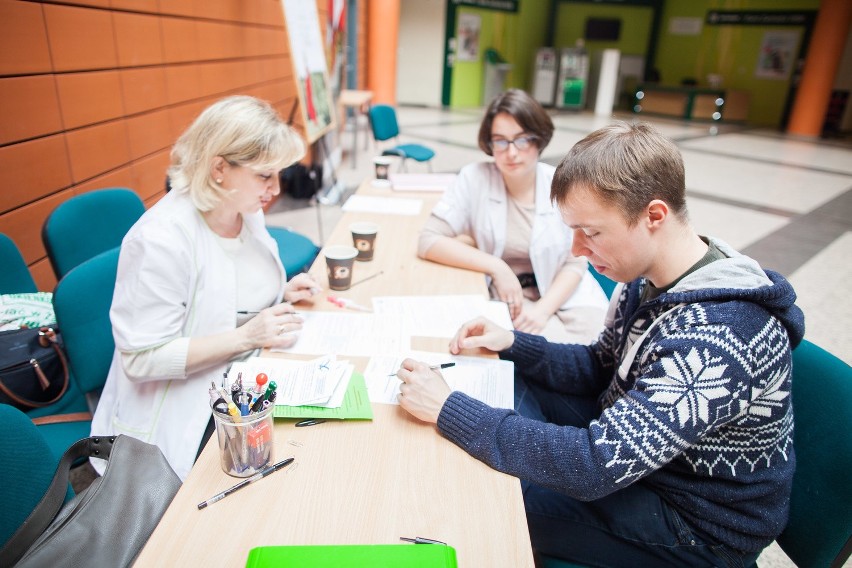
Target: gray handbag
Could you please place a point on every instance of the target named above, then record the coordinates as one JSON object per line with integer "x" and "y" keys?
{"x": 108, "y": 523}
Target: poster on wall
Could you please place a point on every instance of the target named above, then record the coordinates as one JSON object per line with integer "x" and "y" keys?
{"x": 468, "y": 37}
{"x": 777, "y": 54}
{"x": 309, "y": 65}
{"x": 335, "y": 40}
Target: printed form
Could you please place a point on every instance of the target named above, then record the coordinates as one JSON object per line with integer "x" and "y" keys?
{"x": 489, "y": 380}
{"x": 441, "y": 316}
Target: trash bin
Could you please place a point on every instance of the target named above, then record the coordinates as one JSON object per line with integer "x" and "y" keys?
{"x": 496, "y": 70}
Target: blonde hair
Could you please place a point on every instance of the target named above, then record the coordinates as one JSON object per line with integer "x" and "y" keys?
{"x": 242, "y": 130}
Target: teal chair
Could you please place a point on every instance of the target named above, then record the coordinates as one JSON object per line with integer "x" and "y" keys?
{"x": 82, "y": 301}
{"x": 89, "y": 224}
{"x": 819, "y": 531}
{"x": 384, "y": 125}
{"x": 297, "y": 251}
{"x": 15, "y": 278}
{"x": 606, "y": 284}
{"x": 26, "y": 472}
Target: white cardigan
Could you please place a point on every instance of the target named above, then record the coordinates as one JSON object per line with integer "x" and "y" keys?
{"x": 476, "y": 205}
{"x": 174, "y": 281}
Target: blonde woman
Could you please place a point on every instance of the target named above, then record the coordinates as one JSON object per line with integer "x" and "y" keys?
{"x": 199, "y": 281}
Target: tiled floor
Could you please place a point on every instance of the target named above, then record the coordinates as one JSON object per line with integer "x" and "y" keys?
{"x": 785, "y": 201}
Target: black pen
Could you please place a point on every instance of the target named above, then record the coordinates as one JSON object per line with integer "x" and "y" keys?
{"x": 421, "y": 540}
{"x": 246, "y": 481}
{"x": 254, "y": 313}
{"x": 434, "y": 367}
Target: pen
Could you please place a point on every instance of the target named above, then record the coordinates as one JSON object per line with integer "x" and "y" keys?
{"x": 435, "y": 367}
{"x": 367, "y": 278}
{"x": 347, "y": 303}
{"x": 309, "y": 422}
{"x": 421, "y": 540}
{"x": 259, "y": 475}
{"x": 254, "y": 313}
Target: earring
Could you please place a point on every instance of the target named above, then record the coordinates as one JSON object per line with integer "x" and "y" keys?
{"x": 219, "y": 180}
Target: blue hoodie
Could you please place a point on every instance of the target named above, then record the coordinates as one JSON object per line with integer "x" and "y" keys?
{"x": 694, "y": 391}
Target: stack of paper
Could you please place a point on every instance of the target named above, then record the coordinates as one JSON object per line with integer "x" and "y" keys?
{"x": 440, "y": 316}
{"x": 489, "y": 380}
{"x": 321, "y": 382}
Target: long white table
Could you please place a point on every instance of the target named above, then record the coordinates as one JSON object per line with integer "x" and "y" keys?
{"x": 357, "y": 482}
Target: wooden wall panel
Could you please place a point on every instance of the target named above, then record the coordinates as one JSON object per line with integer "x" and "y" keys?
{"x": 23, "y": 39}
{"x": 93, "y": 93}
{"x": 32, "y": 170}
{"x": 88, "y": 98}
{"x": 80, "y": 38}
{"x": 30, "y": 108}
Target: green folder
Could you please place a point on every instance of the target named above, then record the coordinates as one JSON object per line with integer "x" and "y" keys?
{"x": 356, "y": 405}
{"x": 356, "y": 555}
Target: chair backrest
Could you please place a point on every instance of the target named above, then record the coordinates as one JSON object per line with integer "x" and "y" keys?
{"x": 15, "y": 277}
{"x": 82, "y": 301}
{"x": 297, "y": 251}
{"x": 383, "y": 122}
{"x": 27, "y": 469}
{"x": 605, "y": 283}
{"x": 89, "y": 224}
{"x": 820, "y": 523}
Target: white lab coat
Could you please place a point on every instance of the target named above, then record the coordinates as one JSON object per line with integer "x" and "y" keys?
{"x": 476, "y": 205}
{"x": 174, "y": 281}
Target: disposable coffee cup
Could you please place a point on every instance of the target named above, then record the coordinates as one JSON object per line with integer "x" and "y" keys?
{"x": 339, "y": 261}
{"x": 245, "y": 442}
{"x": 382, "y": 165}
{"x": 364, "y": 239}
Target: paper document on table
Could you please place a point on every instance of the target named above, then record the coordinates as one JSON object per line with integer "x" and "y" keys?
{"x": 421, "y": 182}
{"x": 489, "y": 380}
{"x": 356, "y": 405}
{"x": 389, "y": 205}
{"x": 350, "y": 334}
{"x": 440, "y": 316}
{"x": 320, "y": 382}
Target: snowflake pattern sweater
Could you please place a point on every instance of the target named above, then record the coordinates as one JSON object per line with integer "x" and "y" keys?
{"x": 700, "y": 411}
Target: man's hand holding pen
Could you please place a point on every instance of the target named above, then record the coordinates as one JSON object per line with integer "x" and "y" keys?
{"x": 423, "y": 391}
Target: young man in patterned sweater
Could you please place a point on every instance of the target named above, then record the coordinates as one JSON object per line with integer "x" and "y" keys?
{"x": 669, "y": 441}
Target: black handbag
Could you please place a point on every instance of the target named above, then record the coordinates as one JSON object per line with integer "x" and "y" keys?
{"x": 109, "y": 522}
{"x": 33, "y": 368}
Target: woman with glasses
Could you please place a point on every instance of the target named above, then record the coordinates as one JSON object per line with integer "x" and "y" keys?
{"x": 497, "y": 218}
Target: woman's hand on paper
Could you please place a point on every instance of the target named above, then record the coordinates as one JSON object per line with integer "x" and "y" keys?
{"x": 423, "y": 391}
{"x": 301, "y": 287}
{"x": 273, "y": 327}
{"x": 481, "y": 332}
{"x": 508, "y": 289}
{"x": 532, "y": 319}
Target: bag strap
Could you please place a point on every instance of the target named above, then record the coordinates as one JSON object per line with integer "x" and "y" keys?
{"x": 62, "y": 418}
{"x": 46, "y": 337}
{"x": 54, "y": 497}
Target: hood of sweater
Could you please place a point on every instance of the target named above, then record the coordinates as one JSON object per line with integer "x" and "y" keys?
{"x": 740, "y": 278}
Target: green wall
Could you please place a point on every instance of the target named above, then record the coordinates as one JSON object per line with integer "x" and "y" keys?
{"x": 729, "y": 51}
{"x": 516, "y": 36}
{"x": 635, "y": 26}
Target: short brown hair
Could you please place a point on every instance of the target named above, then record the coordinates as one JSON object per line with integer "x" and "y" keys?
{"x": 627, "y": 165}
{"x": 526, "y": 111}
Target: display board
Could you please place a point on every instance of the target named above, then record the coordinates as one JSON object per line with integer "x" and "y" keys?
{"x": 309, "y": 66}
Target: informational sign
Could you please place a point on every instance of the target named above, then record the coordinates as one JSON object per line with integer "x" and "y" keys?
{"x": 499, "y": 5}
{"x": 467, "y": 48}
{"x": 309, "y": 65}
{"x": 777, "y": 53}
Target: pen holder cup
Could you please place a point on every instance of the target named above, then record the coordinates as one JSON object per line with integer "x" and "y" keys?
{"x": 245, "y": 442}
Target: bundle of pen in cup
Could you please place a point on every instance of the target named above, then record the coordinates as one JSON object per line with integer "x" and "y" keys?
{"x": 243, "y": 417}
